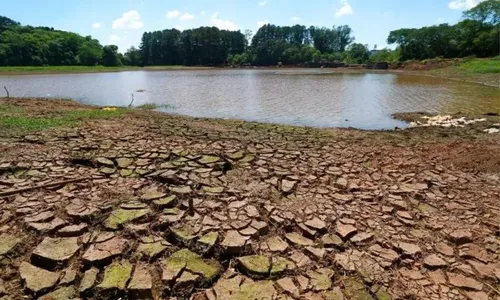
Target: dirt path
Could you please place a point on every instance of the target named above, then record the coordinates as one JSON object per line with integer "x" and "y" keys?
{"x": 168, "y": 206}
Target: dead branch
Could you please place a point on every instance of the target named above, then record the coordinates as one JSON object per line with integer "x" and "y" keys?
{"x": 8, "y": 95}
{"x": 130, "y": 105}
{"x": 41, "y": 186}
{"x": 191, "y": 207}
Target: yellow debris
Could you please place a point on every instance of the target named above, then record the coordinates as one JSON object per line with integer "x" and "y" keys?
{"x": 109, "y": 108}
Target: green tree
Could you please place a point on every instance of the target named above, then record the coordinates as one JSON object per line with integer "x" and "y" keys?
{"x": 133, "y": 57}
{"x": 357, "y": 53}
{"x": 90, "y": 52}
{"x": 485, "y": 12}
{"x": 110, "y": 56}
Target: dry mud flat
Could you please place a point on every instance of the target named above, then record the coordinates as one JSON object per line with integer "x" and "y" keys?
{"x": 156, "y": 206}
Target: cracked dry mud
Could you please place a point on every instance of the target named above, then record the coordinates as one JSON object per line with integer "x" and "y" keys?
{"x": 277, "y": 213}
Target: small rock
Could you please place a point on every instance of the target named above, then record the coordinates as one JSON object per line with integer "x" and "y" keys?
{"x": 298, "y": 239}
{"x": 345, "y": 230}
{"x": 152, "y": 194}
{"x": 255, "y": 266}
{"x": 63, "y": 293}
{"x": 362, "y": 237}
{"x": 8, "y": 243}
{"x": 289, "y": 286}
{"x": 124, "y": 162}
{"x": 105, "y": 162}
{"x": 330, "y": 240}
{"x": 473, "y": 251}
{"x": 233, "y": 242}
{"x": 320, "y": 279}
{"x": 141, "y": 283}
{"x": 106, "y": 250}
{"x": 279, "y": 265}
{"x": 116, "y": 276}
{"x": 433, "y": 261}
{"x": 316, "y": 224}
{"x": 276, "y": 244}
{"x": 207, "y": 241}
{"x": 462, "y": 281}
{"x": 88, "y": 281}
{"x": 408, "y": 249}
{"x": 151, "y": 247}
{"x": 37, "y": 279}
{"x": 318, "y": 252}
{"x": 185, "y": 283}
{"x": 167, "y": 202}
{"x": 72, "y": 230}
{"x": 122, "y": 216}
{"x": 69, "y": 276}
{"x": 288, "y": 186}
{"x": 53, "y": 251}
{"x": 461, "y": 236}
{"x": 444, "y": 249}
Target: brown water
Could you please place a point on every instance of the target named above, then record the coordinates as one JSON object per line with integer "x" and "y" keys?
{"x": 302, "y": 97}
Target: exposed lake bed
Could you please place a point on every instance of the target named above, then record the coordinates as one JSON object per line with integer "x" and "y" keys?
{"x": 113, "y": 188}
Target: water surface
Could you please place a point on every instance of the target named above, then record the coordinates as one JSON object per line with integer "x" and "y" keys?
{"x": 302, "y": 97}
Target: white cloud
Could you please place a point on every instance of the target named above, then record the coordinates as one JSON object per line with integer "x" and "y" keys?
{"x": 222, "y": 24}
{"x": 172, "y": 14}
{"x": 129, "y": 20}
{"x": 262, "y": 3}
{"x": 262, "y": 23}
{"x": 463, "y": 4}
{"x": 440, "y": 20}
{"x": 114, "y": 39}
{"x": 203, "y": 13}
{"x": 179, "y": 27}
{"x": 295, "y": 18}
{"x": 96, "y": 25}
{"x": 346, "y": 9}
{"x": 186, "y": 17}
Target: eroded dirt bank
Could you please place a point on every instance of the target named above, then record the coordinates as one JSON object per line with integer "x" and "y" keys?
{"x": 147, "y": 205}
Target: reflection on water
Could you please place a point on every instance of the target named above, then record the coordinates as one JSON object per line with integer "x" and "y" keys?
{"x": 322, "y": 100}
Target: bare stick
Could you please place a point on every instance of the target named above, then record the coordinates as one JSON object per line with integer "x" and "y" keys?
{"x": 191, "y": 207}
{"x": 8, "y": 95}
{"x": 52, "y": 184}
{"x": 130, "y": 105}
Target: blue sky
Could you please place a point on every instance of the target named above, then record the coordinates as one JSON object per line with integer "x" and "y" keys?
{"x": 122, "y": 22}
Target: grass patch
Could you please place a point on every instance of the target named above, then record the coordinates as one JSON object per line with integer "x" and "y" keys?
{"x": 65, "y": 69}
{"x": 152, "y": 106}
{"x": 147, "y": 106}
{"x": 481, "y": 66}
{"x": 15, "y": 120}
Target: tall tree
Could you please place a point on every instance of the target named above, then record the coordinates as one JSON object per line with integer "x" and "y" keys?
{"x": 110, "y": 56}
{"x": 486, "y": 12}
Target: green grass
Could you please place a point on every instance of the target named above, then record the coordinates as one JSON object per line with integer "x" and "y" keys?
{"x": 152, "y": 106}
{"x": 147, "y": 106}
{"x": 14, "y": 120}
{"x": 65, "y": 69}
{"x": 481, "y": 66}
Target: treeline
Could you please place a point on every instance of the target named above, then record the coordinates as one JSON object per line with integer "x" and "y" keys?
{"x": 270, "y": 44}
{"x": 200, "y": 46}
{"x": 477, "y": 35}
{"x": 37, "y": 46}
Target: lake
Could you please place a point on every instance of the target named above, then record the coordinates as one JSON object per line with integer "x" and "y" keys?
{"x": 308, "y": 97}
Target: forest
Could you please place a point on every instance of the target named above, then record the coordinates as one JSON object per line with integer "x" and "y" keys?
{"x": 477, "y": 34}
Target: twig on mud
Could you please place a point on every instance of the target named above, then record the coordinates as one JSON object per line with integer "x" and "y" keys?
{"x": 52, "y": 184}
{"x": 8, "y": 95}
{"x": 191, "y": 206}
{"x": 130, "y": 105}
